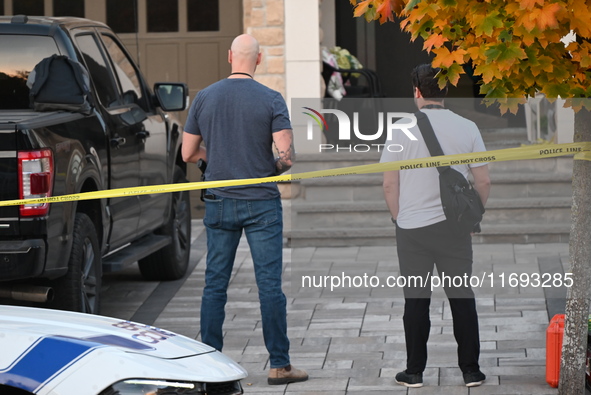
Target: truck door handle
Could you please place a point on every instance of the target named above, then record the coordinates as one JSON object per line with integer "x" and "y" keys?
{"x": 143, "y": 134}
{"x": 117, "y": 141}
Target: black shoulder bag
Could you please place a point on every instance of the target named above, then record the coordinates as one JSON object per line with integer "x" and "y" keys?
{"x": 461, "y": 203}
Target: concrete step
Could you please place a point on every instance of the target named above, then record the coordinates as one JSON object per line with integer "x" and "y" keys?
{"x": 384, "y": 236}
{"x": 368, "y": 214}
{"x": 369, "y": 186}
{"x": 530, "y": 202}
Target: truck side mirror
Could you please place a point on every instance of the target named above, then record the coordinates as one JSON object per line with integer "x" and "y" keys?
{"x": 172, "y": 96}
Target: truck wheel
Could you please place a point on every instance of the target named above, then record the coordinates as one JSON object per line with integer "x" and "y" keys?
{"x": 171, "y": 262}
{"x": 79, "y": 289}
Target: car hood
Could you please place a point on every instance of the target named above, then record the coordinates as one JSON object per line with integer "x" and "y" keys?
{"x": 21, "y": 327}
{"x": 49, "y": 352}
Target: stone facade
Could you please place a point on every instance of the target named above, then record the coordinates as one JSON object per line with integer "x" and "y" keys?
{"x": 265, "y": 20}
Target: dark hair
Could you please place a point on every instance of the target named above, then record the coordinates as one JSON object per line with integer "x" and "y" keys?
{"x": 423, "y": 77}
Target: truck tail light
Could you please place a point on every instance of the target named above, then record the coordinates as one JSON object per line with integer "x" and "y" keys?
{"x": 35, "y": 180}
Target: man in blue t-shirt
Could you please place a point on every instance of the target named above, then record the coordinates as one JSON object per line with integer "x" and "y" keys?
{"x": 240, "y": 120}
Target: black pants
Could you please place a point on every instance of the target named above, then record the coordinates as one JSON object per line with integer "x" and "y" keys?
{"x": 419, "y": 250}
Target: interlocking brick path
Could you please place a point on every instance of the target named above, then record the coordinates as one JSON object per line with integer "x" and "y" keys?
{"x": 351, "y": 341}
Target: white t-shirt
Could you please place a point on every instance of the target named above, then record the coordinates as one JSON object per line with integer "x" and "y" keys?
{"x": 420, "y": 201}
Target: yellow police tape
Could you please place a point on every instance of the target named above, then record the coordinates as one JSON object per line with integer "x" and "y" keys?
{"x": 581, "y": 151}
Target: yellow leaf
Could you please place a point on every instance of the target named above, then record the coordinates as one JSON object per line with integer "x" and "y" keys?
{"x": 477, "y": 52}
{"x": 361, "y": 8}
{"x": 488, "y": 71}
{"x": 580, "y": 18}
{"x": 440, "y": 23}
{"x": 435, "y": 40}
{"x": 446, "y": 58}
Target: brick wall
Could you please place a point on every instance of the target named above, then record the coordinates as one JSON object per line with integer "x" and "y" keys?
{"x": 265, "y": 20}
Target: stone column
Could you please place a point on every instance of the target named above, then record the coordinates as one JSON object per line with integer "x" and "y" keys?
{"x": 265, "y": 20}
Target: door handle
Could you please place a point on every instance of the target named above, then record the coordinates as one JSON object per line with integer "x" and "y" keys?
{"x": 143, "y": 134}
{"x": 117, "y": 141}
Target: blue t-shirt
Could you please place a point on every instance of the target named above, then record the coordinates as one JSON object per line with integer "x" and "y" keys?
{"x": 237, "y": 118}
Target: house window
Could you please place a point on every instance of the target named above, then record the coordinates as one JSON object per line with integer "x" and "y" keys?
{"x": 68, "y": 8}
{"x": 28, "y": 7}
{"x": 203, "y": 15}
{"x": 122, "y": 15}
{"x": 163, "y": 16}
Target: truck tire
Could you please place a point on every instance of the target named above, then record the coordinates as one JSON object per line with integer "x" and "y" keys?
{"x": 171, "y": 262}
{"x": 79, "y": 289}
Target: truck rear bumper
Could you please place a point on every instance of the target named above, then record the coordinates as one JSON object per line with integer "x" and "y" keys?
{"x": 21, "y": 259}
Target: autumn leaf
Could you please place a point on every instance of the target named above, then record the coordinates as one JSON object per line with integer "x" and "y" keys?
{"x": 496, "y": 91}
{"x": 410, "y": 5}
{"x": 362, "y": 8}
{"x": 546, "y": 16}
{"x": 514, "y": 45}
{"x": 541, "y": 64}
{"x": 445, "y": 58}
{"x": 529, "y": 4}
{"x": 581, "y": 15}
{"x": 487, "y": 23}
{"x": 435, "y": 40}
{"x": 387, "y": 9}
{"x": 510, "y": 53}
{"x": 555, "y": 90}
{"x": 488, "y": 71}
{"x": 583, "y": 58}
{"x": 451, "y": 74}
{"x": 426, "y": 9}
{"x": 528, "y": 37}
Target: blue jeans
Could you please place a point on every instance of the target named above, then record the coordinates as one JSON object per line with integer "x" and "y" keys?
{"x": 262, "y": 221}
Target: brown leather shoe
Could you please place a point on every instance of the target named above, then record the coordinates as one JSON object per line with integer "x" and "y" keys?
{"x": 286, "y": 375}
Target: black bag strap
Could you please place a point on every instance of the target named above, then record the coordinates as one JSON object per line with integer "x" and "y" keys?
{"x": 429, "y": 136}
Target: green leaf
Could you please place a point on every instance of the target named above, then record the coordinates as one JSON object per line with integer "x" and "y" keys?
{"x": 449, "y": 3}
{"x": 494, "y": 52}
{"x": 451, "y": 74}
{"x": 556, "y": 90}
{"x": 511, "y": 51}
{"x": 494, "y": 90}
{"x": 488, "y": 24}
{"x": 370, "y": 14}
{"x": 411, "y": 4}
{"x": 506, "y": 36}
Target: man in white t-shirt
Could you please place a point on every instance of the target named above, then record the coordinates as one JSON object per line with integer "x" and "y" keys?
{"x": 424, "y": 237}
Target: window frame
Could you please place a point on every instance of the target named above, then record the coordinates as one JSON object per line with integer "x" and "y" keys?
{"x": 144, "y": 102}
{"x": 77, "y": 33}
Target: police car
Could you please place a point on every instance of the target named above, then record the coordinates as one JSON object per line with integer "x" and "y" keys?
{"x": 64, "y": 353}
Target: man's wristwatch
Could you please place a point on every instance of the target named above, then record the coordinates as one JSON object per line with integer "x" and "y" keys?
{"x": 393, "y": 220}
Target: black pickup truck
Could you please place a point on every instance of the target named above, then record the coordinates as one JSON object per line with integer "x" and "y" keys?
{"x": 56, "y": 253}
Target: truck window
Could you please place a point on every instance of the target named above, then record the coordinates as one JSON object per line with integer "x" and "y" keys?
{"x": 98, "y": 69}
{"x": 20, "y": 54}
{"x": 128, "y": 77}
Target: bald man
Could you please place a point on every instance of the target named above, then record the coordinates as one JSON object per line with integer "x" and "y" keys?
{"x": 239, "y": 121}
